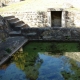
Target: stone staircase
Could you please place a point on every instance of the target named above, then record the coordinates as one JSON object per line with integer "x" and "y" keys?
{"x": 16, "y": 25}
{"x": 15, "y": 39}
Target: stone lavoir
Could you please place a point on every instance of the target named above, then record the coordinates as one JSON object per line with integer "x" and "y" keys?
{"x": 52, "y": 24}
{"x": 17, "y": 29}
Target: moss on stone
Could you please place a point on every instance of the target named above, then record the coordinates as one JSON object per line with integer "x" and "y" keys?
{"x": 8, "y": 50}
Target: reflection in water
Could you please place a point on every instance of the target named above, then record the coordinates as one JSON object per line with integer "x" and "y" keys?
{"x": 73, "y": 55}
{"x": 60, "y": 67}
{"x": 28, "y": 64}
{"x": 44, "y": 61}
{"x": 12, "y": 73}
{"x": 51, "y": 67}
{"x": 75, "y": 66}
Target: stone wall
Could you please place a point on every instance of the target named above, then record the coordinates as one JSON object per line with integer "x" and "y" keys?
{"x": 4, "y": 29}
{"x": 73, "y": 19}
{"x": 70, "y": 19}
{"x": 56, "y": 34}
{"x": 33, "y": 19}
{"x": 42, "y": 18}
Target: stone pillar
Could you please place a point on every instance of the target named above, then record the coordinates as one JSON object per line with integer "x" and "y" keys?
{"x": 63, "y": 21}
{"x": 49, "y": 18}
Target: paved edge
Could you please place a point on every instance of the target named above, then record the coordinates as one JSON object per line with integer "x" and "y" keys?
{"x": 6, "y": 58}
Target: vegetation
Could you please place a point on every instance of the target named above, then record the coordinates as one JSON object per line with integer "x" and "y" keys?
{"x": 8, "y": 50}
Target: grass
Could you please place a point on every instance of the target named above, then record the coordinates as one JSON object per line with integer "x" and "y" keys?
{"x": 31, "y": 5}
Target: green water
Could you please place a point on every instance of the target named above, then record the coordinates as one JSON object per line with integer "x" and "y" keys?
{"x": 44, "y": 61}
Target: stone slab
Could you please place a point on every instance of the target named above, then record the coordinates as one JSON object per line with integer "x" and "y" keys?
{"x": 10, "y": 46}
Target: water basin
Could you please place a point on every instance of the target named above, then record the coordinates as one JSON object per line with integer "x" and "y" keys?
{"x": 44, "y": 61}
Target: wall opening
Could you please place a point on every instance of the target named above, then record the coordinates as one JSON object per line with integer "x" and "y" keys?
{"x": 56, "y": 18}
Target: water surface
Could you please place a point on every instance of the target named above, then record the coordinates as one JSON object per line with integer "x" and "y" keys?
{"x": 44, "y": 61}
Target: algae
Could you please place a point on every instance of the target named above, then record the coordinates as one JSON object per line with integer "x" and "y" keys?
{"x": 30, "y": 62}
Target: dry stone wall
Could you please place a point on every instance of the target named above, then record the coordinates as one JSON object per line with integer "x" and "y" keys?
{"x": 73, "y": 19}
{"x": 33, "y": 19}
{"x": 41, "y": 18}
{"x": 57, "y": 34}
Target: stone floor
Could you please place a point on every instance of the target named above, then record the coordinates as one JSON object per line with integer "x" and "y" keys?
{"x": 10, "y": 46}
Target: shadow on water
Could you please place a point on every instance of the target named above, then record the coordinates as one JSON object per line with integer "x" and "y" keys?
{"x": 45, "y": 61}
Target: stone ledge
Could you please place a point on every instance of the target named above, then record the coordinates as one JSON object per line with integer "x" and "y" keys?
{"x": 64, "y": 34}
{"x": 13, "y": 44}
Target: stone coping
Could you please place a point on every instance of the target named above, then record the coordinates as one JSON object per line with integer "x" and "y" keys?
{"x": 10, "y": 46}
{"x": 56, "y": 34}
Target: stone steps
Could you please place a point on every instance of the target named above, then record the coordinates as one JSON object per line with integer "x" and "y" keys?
{"x": 16, "y": 25}
{"x": 9, "y": 17}
{"x": 15, "y": 33}
{"x": 19, "y": 26}
{"x": 11, "y": 20}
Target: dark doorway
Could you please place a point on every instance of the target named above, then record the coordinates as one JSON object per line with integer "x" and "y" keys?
{"x": 56, "y": 18}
